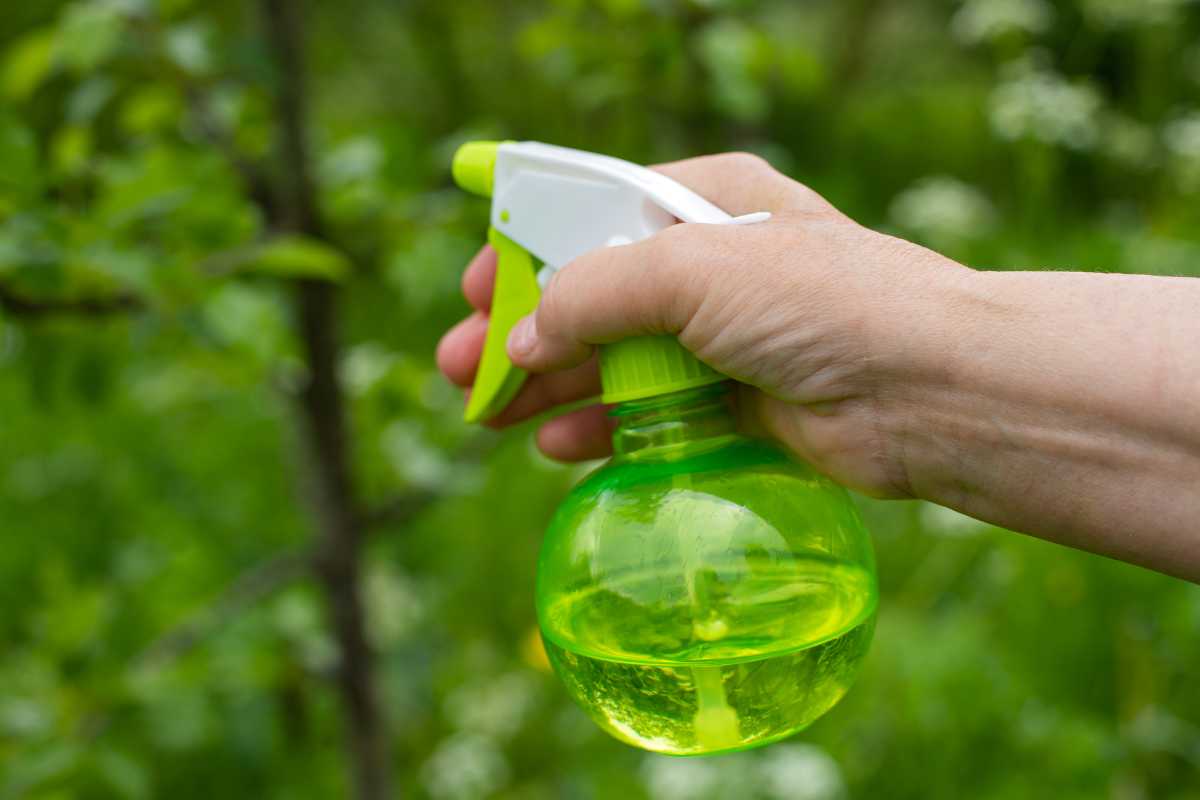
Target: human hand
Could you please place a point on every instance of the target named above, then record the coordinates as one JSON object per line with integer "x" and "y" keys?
{"x": 808, "y": 310}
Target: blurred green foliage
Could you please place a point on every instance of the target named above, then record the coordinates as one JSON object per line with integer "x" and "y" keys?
{"x": 149, "y": 458}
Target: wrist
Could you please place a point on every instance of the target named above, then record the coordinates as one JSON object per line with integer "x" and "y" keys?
{"x": 920, "y": 373}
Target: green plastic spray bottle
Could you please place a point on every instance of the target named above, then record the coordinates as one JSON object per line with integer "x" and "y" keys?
{"x": 701, "y": 591}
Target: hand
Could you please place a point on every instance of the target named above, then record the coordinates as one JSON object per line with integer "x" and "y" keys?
{"x": 810, "y": 311}
{"x": 1059, "y": 404}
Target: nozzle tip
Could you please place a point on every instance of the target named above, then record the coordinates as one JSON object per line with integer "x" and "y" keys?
{"x": 473, "y": 166}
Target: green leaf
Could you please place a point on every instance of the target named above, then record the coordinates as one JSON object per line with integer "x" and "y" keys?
{"x": 102, "y": 266}
{"x": 800, "y": 68}
{"x": 190, "y": 191}
{"x": 30, "y": 251}
{"x": 249, "y": 318}
{"x": 89, "y": 98}
{"x": 299, "y": 257}
{"x": 18, "y": 154}
{"x": 47, "y": 764}
{"x": 151, "y": 108}
{"x": 76, "y": 615}
{"x": 28, "y": 64}
{"x": 92, "y": 376}
{"x": 734, "y": 54}
{"x": 70, "y": 149}
{"x": 87, "y": 35}
{"x": 127, "y": 777}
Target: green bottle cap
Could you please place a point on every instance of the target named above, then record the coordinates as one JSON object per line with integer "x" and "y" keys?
{"x": 645, "y": 366}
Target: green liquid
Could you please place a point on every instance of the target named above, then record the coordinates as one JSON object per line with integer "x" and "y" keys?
{"x": 735, "y": 656}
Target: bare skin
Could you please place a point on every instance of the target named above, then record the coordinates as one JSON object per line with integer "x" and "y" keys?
{"x": 1064, "y": 405}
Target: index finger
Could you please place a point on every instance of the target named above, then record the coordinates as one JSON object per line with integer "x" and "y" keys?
{"x": 479, "y": 278}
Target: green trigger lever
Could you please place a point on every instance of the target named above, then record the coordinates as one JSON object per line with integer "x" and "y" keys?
{"x": 515, "y": 294}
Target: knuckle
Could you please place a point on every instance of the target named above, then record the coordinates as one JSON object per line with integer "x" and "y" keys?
{"x": 552, "y": 312}
{"x": 741, "y": 161}
{"x": 679, "y": 278}
{"x": 662, "y": 249}
{"x": 663, "y": 255}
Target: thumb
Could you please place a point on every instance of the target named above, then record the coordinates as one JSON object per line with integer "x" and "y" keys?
{"x": 653, "y": 286}
{"x": 649, "y": 287}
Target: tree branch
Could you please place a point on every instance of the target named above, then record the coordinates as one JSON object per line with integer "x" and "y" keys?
{"x": 399, "y": 509}
{"x": 857, "y": 25}
{"x": 244, "y": 591}
{"x": 112, "y": 305}
{"x": 409, "y": 504}
{"x": 153, "y": 33}
{"x": 258, "y": 185}
{"x": 321, "y": 405}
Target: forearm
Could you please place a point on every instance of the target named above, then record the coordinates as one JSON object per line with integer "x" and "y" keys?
{"x": 1063, "y": 405}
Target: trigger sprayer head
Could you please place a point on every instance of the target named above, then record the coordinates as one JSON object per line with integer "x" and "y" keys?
{"x": 474, "y": 166}
{"x": 552, "y": 204}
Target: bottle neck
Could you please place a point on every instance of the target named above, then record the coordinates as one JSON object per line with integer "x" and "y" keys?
{"x": 673, "y": 425}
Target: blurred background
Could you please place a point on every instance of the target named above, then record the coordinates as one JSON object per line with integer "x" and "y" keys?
{"x": 249, "y": 549}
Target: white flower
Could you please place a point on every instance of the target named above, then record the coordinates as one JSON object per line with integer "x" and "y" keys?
{"x": 1127, "y": 140}
{"x": 22, "y": 716}
{"x": 298, "y": 617}
{"x": 801, "y": 772}
{"x": 1182, "y": 139}
{"x": 394, "y": 603}
{"x": 1036, "y": 103}
{"x": 676, "y": 779}
{"x": 412, "y": 457}
{"x": 949, "y": 523}
{"x": 354, "y": 159}
{"x": 980, "y": 20}
{"x": 1182, "y": 136}
{"x": 496, "y": 707}
{"x": 465, "y": 767}
{"x": 940, "y": 207}
{"x": 364, "y": 365}
{"x": 1157, "y": 729}
{"x": 190, "y": 46}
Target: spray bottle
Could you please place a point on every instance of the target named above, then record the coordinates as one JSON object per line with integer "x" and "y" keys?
{"x": 701, "y": 591}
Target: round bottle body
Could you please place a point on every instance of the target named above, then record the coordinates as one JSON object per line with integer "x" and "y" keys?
{"x": 705, "y": 593}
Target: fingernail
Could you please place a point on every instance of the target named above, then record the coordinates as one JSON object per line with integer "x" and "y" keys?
{"x": 522, "y": 337}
